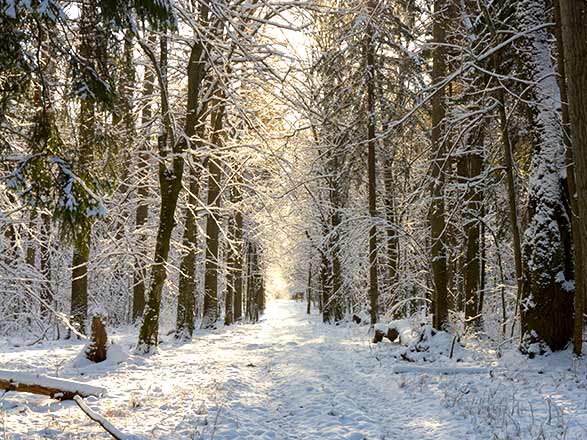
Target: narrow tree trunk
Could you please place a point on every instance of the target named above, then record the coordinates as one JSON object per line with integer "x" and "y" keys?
{"x": 142, "y": 210}
{"x": 309, "y": 290}
{"x": 574, "y": 35}
{"x": 186, "y": 301}
{"x": 238, "y": 255}
{"x": 230, "y": 275}
{"x": 473, "y": 202}
{"x": 211, "y": 312}
{"x": 390, "y": 217}
{"x": 46, "y": 292}
{"x": 437, "y": 208}
{"x": 371, "y": 165}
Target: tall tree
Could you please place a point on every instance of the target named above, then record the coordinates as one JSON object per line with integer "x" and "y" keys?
{"x": 371, "y": 160}
{"x": 437, "y": 208}
{"x": 81, "y": 239}
{"x": 574, "y": 34}
{"x": 547, "y": 308}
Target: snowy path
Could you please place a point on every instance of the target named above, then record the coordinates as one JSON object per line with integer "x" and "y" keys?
{"x": 287, "y": 378}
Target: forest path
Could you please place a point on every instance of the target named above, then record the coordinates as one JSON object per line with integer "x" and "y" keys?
{"x": 288, "y": 377}
{"x": 306, "y": 380}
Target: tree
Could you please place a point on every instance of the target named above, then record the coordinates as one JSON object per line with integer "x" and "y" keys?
{"x": 436, "y": 213}
{"x": 547, "y": 308}
{"x": 574, "y": 35}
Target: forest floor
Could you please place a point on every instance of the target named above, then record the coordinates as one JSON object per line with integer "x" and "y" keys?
{"x": 290, "y": 377}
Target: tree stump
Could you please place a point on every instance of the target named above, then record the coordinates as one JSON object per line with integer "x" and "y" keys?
{"x": 97, "y": 350}
{"x": 391, "y": 334}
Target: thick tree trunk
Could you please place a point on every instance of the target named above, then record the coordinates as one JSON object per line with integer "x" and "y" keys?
{"x": 548, "y": 263}
{"x": 437, "y": 208}
{"x": 170, "y": 176}
{"x": 574, "y": 35}
{"x": 81, "y": 242}
{"x": 79, "y": 281}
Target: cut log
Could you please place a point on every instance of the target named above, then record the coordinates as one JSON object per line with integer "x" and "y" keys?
{"x": 389, "y": 333}
{"x": 60, "y": 389}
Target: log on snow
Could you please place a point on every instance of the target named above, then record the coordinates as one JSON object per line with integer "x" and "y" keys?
{"x": 60, "y": 389}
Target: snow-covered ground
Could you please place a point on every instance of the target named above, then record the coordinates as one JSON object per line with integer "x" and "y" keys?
{"x": 292, "y": 377}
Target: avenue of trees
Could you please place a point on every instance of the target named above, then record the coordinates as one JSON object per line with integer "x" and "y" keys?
{"x": 396, "y": 158}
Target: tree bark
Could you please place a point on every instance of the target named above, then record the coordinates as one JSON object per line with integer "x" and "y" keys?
{"x": 371, "y": 164}
{"x": 186, "y": 301}
{"x": 472, "y": 229}
{"x": 309, "y": 290}
{"x": 548, "y": 263}
{"x": 170, "y": 176}
{"x": 81, "y": 242}
{"x": 238, "y": 254}
{"x": 211, "y": 312}
{"x": 437, "y": 208}
{"x": 142, "y": 210}
{"x": 574, "y": 35}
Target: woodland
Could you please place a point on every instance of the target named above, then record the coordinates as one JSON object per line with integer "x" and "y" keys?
{"x": 203, "y": 200}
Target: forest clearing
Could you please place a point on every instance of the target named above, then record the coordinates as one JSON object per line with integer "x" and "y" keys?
{"x": 293, "y": 219}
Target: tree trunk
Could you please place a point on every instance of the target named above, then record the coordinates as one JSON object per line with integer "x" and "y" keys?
{"x": 186, "y": 300}
{"x": 211, "y": 312}
{"x": 390, "y": 217}
{"x": 548, "y": 262}
{"x": 230, "y": 275}
{"x": 472, "y": 229}
{"x": 309, "y": 290}
{"x": 46, "y": 291}
{"x": 238, "y": 252}
{"x": 142, "y": 210}
{"x": 574, "y": 35}
{"x": 437, "y": 208}
{"x": 170, "y": 184}
{"x": 81, "y": 242}
{"x": 371, "y": 165}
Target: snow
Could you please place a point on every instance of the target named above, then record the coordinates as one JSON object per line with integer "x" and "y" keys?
{"x": 292, "y": 377}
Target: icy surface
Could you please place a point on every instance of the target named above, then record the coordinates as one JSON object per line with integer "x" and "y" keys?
{"x": 290, "y": 377}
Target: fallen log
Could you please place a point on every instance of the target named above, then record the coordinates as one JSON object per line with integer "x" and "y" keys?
{"x": 105, "y": 424}
{"x": 60, "y": 389}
